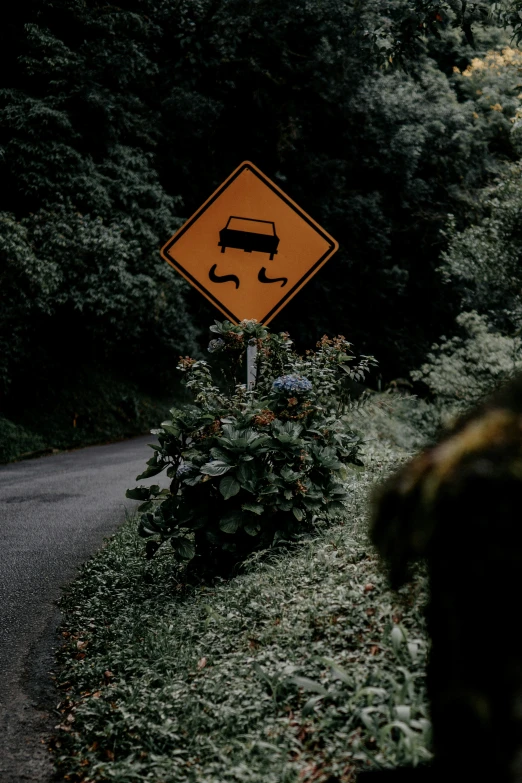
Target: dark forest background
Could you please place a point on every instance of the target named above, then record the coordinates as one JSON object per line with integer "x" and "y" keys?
{"x": 394, "y": 124}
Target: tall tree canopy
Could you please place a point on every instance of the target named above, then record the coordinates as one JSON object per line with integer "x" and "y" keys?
{"x": 117, "y": 121}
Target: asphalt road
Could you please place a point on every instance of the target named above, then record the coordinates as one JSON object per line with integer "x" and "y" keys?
{"x": 54, "y": 513}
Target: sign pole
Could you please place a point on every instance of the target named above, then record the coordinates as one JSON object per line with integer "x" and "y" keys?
{"x": 251, "y": 366}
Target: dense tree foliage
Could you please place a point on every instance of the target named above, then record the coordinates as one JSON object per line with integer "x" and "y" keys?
{"x": 482, "y": 265}
{"x": 117, "y": 121}
{"x": 82, "y": 206}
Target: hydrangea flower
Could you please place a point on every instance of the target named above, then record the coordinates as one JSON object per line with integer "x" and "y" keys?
{"x": 184, "y": 470}
{"x": 216, "y": 345}
{"x": 292, "y": 384}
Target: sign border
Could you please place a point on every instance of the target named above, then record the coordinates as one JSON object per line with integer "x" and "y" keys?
{"x": 247, "y": 165}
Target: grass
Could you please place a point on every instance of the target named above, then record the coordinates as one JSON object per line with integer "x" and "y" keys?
{"x": 304, "y": 667}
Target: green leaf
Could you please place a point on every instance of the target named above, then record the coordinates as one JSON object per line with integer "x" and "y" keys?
{"x": 219, "y": 453}
{"x": 310, "y": 704}
{"x": 245, "y": 474}
{"x": 145, "y": 531}
{"x": 193, "y": 480}
{"x": 311, "y": 502}
{"x": 284, "y": 506}
{"x": 229, "y": 523}
{"x": 255, "y": 508}
{"x": 341, "y": 673}
{"x": 171, "y": 428}
{"x": 269, "y": 491}
{"x": 298, "y": 514}
{"x": 229, "y": 486}
{"x": 150, "y": 472}
{"x": 290, "y": 427}
{"x": 230, "y": 434}
{"x": 252, "y": 529}
{"x": 147, "y": 506}
{"x": 216, "y": 468}
{"x": 309, "y": 685}
{"x": 138, "y": 493}
{"x": 148, "y": 526}
{"x": 398, "y": 636}
{"x": 286, "y": 439}
{"x": 183, "y": 547}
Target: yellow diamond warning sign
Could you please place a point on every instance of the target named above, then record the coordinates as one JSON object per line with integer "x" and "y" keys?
{"x": 249, "y": 249}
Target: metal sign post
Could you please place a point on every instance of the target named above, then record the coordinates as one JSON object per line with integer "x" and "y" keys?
{"x": 251, "y": 366}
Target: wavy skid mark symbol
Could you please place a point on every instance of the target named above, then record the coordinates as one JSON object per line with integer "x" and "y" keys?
{"x": 264, "y": 279}
{"x": 223, "y": 278}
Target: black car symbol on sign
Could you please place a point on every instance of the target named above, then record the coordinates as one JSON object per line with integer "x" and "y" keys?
{"x": 248, "y": 234}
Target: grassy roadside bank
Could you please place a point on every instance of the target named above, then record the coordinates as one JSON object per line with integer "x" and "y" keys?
{"x": 305, "y": 667}
{"x": 94, "y": 409}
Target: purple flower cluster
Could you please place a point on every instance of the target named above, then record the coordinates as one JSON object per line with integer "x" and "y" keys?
{"x": 184, "y": 470}
{"x": 292, "y": 384}
{"x": 216, "y": 345}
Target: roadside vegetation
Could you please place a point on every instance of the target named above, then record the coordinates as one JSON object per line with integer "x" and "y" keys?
{"x": 251, "y": 467}
{"x": 298, "y": 663}
{"x": 303, "y": 666}
{"x": 92, "y": 407}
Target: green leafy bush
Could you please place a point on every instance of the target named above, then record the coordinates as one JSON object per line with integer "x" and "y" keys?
{"x": 482, "y": 260}
{"x": 482, "y": 266}
{"x": 17, "y": 441}
{"x": 407, "y": 422}
{"x": 249, "y": 467}
{"x": 462, "y": 370}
